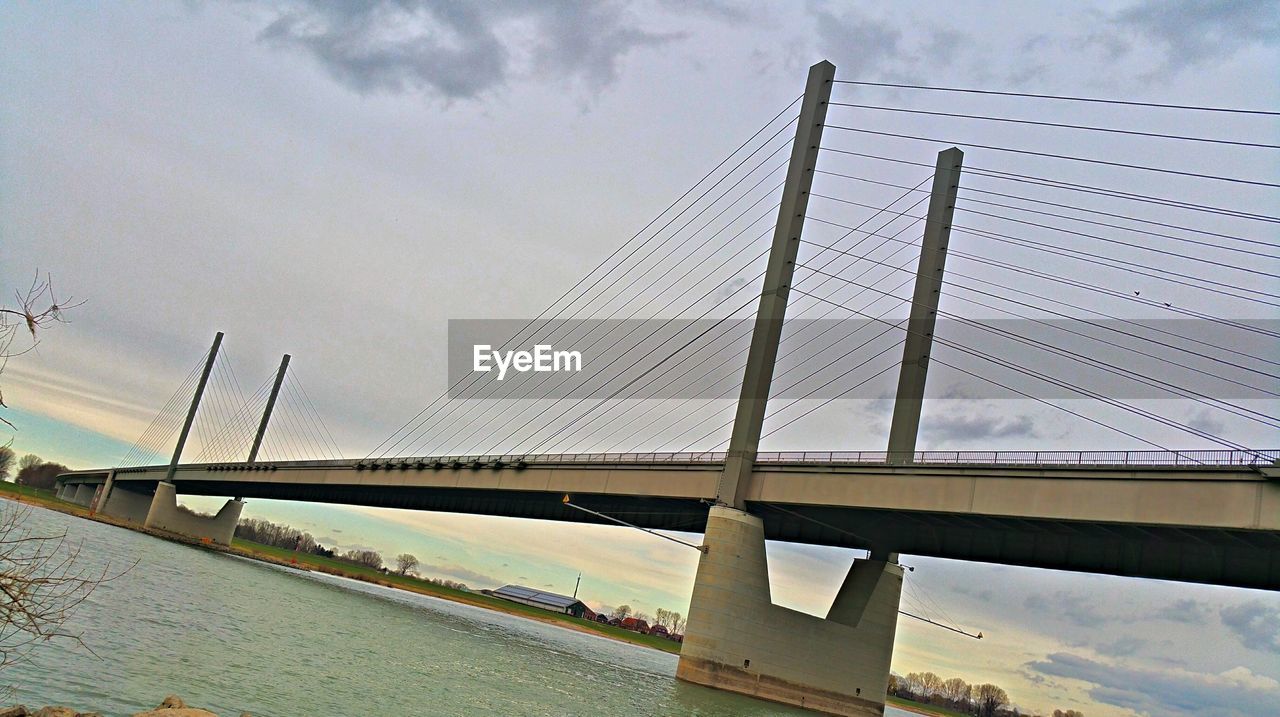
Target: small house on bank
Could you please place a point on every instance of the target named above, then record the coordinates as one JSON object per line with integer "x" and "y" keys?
{"x": 552, "y": 602}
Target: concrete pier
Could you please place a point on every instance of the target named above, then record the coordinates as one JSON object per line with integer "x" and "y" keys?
{"x": 738, "y": 640}
{"x": 163, "y": 514}
{"x": 84, "y": 494}
{"x": 104, "y": 493}
{"x": 127, "y": 505}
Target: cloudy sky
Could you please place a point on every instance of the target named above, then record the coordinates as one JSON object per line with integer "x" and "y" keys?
{"x": 338, "y": 182}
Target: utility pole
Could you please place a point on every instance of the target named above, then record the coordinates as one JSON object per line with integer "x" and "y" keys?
{"x": 575, "y": 586}
{"x": 266, "y": 413}
{"x": 745, "y": 441}
{"x": 195, "y": 403}
{"x": 924, "y": 307}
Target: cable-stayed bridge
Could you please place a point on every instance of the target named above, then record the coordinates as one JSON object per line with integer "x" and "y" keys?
{"x": 778, "y": 289}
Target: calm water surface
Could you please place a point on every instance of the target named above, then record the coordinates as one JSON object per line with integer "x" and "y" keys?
{"x": 236, "y": 635}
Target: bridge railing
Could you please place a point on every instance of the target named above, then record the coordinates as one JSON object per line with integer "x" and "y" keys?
{"x": 1026, "y": 458}
{"x": 1203, "y": 458}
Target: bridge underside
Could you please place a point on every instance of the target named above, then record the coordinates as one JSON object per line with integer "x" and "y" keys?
{"x": 1215, "y": 555}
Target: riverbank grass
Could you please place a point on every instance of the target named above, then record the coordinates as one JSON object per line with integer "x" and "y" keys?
{"x": 921, "y": 708}
{"x": 424, "y": 587}
{"x": 43, "y": 498}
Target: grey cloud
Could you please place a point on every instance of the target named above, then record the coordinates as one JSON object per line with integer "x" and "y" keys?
{"x": 962, "y": 427}
{"x": 1112, "y": 46}
{"x": 1077, "y": 609}
{"x": 1187, "y": 611}
{"x": 712, "y": 8}
{"x": 985, "y": 594}
{"x": 343, "y": 547}
{"x": 1028, "y": 74}
{"x": 1203, "y": 420}
{"x": 466, "y": 575}
{"x": 1256, "y": 624}
{"x": 1173, "y": 693}
{"x": 874, "y": 43}
{"x": 1191, "y": 32}
{"x": 460, "y": 50}
{"x": 731, "y": 287}
{"x": 1122, "y": 647}
{"x": 943, "y": 45}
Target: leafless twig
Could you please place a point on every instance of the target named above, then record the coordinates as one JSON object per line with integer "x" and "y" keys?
{"x": 42, "y": 583}
{"x": 33, "y": 310}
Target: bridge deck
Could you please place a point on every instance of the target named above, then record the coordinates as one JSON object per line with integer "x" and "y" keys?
{"x": 1180, "y": 519}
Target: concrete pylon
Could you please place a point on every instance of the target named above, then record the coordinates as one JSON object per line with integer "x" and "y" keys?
{"x": 924, "y": 307}
{"x": 757, "y": 376}
{"x": 164, "y": 515}
{"x": 737, "y": 640}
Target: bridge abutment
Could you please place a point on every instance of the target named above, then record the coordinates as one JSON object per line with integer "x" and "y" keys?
{"x": 163, "y": 514}
{"x": 739, "y": 641}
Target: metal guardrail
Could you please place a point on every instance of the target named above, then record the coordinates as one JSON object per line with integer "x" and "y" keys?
{"x": 1200, "y": 458}
{"x": 1023, "y": 458}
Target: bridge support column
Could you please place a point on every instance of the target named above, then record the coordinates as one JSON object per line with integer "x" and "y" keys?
{"x": 66, "y": 491}
{"x": 739, "y": 641}
{"x": 100, "y": 501}
{"x": 164, "y": 515}
{"x": 124, "y": 504}
{"x": 84, "y": 494}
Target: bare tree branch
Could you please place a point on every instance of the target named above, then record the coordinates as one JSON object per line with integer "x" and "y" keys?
{"x": 42, "y": 583}
{"x": 34, "y": 310}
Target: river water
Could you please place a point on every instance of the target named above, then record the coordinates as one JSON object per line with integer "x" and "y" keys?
{"x": 233, "y": 635}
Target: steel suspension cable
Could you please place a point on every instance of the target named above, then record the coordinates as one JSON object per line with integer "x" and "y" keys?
{"x": 1064, "y": 98}
{"x": 1125, "y": 265}
{"x": 1060, "y": 125}
{"x": 665, "y": 306}
{"x": 1065, "y": 157}
{"x": 850, "y": 232}
{"x": 1181, "y": 392}
{"x": 1033, "y": 180}
{"x": 174, "y": 400}
{"x": 835, "y": 258}
{"x": 675, "y": 234}
{"x": 1131, "y": 245}
{"x": 949, "y": 282}
{"x": 609, "y": 258}
{"x": 1087, "y": 221}
{"x": 1090, "y": 287}
{"x": 1077, "y": 389}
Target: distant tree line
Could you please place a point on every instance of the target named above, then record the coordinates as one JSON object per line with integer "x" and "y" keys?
{"x": 279, "y": 536}
{"x": 984, "y": 700}
{"x": 33, "y": 471}
{"x": 452, "y": 584}
{"x": 288, "y": 537}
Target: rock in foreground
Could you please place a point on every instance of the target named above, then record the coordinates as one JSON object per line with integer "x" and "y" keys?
{"x": 172, "y": 706}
